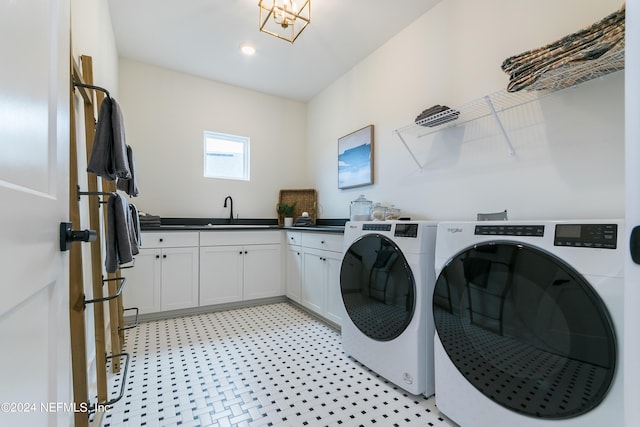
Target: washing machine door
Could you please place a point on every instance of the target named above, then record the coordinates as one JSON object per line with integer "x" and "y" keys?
{"x": 525, "y": 329}
{"x": 377, "y": 286}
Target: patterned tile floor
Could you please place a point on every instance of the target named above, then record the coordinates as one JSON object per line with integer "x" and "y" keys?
{"x": 269, "y": 365}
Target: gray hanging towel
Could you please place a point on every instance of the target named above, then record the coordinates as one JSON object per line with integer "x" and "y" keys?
{"x": 134, "y": 229}
{"x": 120, "y": 156}
{"x": 118, "y": 233}
{"x": 108, "y": 157}
{"x": 129, "y": 185}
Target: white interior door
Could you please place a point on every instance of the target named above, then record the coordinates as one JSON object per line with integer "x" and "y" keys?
{"x": 34, "y": 168}
{"x": 632, "y": 213}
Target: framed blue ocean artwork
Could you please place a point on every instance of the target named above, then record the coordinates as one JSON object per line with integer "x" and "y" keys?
{"x": 355, "y": 158}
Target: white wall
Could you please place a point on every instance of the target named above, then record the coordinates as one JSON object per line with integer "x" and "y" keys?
{"x": 569, "y": 160}
{"x": 92, "y": 35}
{"x": 166, "y": 114}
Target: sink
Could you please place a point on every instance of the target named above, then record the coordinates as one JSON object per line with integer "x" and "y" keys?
{"x": 204, "y": 226}
{"x": 237, "y": 226}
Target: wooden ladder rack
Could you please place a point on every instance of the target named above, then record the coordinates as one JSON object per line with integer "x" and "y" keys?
{"x": 92, "y": 97}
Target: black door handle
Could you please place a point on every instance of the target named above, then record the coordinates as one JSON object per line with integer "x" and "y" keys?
{"x": 68, "y": 236}
{"x": 634, "y": 244}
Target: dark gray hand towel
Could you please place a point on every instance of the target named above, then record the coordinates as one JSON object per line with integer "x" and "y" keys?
{"x": 129, "y": 185}
{"x": 119, "y": 142}
{"x": 134, "y": 229}
{"x": 101, "y": 159}
{"x": 118, "y": 233}
{"x": 108, "y": 157}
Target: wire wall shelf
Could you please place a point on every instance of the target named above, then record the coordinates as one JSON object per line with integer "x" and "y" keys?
{"x": 492, "y": 105}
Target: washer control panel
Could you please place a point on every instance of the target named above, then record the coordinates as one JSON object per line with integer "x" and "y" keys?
{"x": 400, "y": 230}
{"x": 510, "y": 230}
{"x": 406, "y": 230}
{"x": 601, "y": 236}
{"x": 376, "y": 227}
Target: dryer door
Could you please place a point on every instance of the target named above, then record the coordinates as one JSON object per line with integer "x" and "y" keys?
{"x": 378, "y": 288}
{"x": 525, "y": 329}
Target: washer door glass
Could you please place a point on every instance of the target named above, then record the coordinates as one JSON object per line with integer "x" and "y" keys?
{"x": 378, "y": 289}
{"x": 525, "y": 329}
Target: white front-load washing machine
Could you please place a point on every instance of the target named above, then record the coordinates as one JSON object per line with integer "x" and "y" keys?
{"x": 529, "y": 323}
{"x": 386, "y": 283}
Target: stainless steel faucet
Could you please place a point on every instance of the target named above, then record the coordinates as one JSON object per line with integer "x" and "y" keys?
{"x": 230, "y": 207}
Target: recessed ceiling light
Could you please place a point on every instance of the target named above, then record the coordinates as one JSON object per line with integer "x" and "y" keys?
{"x": 248, "y": 49}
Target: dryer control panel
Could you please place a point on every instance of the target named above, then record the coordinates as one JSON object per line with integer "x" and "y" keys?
{"x": 601, "y": 236}
{"x": 510, "y": 230}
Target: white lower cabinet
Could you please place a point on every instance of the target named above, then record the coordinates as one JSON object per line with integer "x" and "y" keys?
{"x": 220, "y": 274}
{"x": 318, "y": 260}
{"x": 142, "y": 289}
{"x": 178, "y": 270}
{"x": 163, "y": 277}
{"x": 178, "y": 278}
{"x": 293, "y": 276}
{"x": 239, "y": 266}
{"x": 335, "y": 307}
{"x": 262, "y": 272}
{"x": 314, "y": 281}
{"x": 293, "y": 265}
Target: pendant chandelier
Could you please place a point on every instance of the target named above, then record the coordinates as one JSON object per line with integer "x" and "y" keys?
{"x": 283, "y": 18}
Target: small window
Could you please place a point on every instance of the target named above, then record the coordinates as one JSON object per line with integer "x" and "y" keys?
{"x": 226, "y": 156}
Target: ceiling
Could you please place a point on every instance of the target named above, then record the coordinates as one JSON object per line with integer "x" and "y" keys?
{"x": 203, "y": 38}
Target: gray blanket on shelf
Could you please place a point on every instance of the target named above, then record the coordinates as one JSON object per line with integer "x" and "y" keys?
{"x": 583, "y": 48}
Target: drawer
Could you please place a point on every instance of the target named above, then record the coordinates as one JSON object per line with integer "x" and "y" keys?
{"x": 293, "y": 238}
{"x": 232, "y": 238}
{"x": 325, "y": 241}
{"x": 169, "y": 239}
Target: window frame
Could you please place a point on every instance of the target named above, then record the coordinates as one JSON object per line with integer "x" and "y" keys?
{"x": 245, "y": 142}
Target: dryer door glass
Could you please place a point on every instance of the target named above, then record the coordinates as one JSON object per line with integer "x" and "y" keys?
{"x": 378, "y": 289}
{"x": 525, "y": 329}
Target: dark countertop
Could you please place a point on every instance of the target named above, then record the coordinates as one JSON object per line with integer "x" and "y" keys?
{"x": 214, "y": 224}
{"x": 318, "y": 228}
{"x": 205, "y": 227}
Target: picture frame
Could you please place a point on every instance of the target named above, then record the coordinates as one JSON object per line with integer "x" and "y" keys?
{"x": 355, "y": 158}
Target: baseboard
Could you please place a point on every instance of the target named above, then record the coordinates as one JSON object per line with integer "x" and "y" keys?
{"x": 162, "y": 315}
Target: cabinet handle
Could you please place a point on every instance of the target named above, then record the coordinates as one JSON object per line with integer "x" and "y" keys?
{"x": 164, "y": 256}
{"x": 157, "y": 256}
{"x": 240, "y": 252}
{"x": 322, "y": 242}
{"x": 245, "y": 252}
{"x": 161, "y": 240}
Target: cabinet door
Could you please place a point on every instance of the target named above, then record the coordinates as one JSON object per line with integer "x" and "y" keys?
{"x": 179, "y": 287}
{"x": 262, "y": 271}
{"x": 312, "y": 293}
{"x": 142, "y": 289}
{"x": 220, "y": 274}
{"x": 334, "y": 296}
{"x": 293, "y": 276}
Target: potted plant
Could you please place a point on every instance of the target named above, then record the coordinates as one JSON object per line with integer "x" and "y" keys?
{"x": 285, "y": 210}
